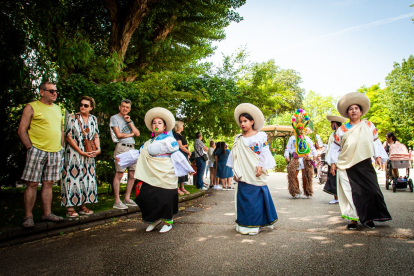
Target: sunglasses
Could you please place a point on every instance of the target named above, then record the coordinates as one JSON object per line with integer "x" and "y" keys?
{"x": 51, "y": 91}
{"x": 84, "y": 105}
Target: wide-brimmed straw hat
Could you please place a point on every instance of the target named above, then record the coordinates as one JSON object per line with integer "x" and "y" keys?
{"x": 159, "y": 112}
{"x": 333, "y": 118}
{"x": 353, "y": 98}
{"x": 253, "y": 111}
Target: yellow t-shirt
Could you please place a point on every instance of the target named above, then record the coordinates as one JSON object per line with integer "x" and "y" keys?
{"x": 45, "y": 130}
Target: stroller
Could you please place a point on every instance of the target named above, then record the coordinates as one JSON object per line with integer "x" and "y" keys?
{"x": 398, "y": 160}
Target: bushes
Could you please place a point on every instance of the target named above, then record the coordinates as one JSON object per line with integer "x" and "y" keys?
{"x": 280, "y": 163}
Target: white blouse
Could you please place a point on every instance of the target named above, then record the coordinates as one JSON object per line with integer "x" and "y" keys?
{"x": 290, "y": 149}
{"x": 164, "y": 146}
{"x": 335, "y": 148}
{"x": 258, "y": 144}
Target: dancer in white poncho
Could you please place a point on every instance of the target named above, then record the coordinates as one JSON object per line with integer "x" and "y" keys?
{"x": 355, "y": 143}
{"x": 250, "y": 159}
{"x": 159, "y": 165}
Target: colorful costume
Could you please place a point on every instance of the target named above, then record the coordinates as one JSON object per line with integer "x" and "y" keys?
{"x": 301, "y": 147}
{"x": 254, "y": 203}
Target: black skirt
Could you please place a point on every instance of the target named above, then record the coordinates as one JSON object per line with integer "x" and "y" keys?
{"x": 157, "y": 203}
{"x": 366, "y": 193}
{"x": 330, "y": 185}
{"x": 182, "y": 179}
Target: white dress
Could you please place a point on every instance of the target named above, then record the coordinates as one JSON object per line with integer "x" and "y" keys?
{"x": 258, "y": 144}
{"x": 290, "y": 149}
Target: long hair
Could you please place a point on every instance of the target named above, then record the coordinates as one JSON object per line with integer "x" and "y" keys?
{"x": 218, "y": 145}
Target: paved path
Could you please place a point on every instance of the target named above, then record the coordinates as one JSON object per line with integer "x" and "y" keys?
{"x": 309, "y": 239}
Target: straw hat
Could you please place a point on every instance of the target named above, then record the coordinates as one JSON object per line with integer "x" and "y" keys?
{"x": 353, "y": 98}
{"x": 333, "y": 118}
{"x": 159, "y": 112}
{"x": 253, "y": 111}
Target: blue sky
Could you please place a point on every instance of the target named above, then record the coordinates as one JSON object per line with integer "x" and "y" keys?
{"x": 336, "y": 45}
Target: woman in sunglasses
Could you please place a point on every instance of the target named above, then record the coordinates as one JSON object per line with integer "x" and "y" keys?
{"x": 78, "y": 174}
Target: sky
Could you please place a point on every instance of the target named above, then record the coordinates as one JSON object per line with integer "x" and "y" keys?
{"x": 337, "y": 46}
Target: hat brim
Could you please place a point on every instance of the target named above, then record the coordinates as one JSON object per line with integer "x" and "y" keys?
{"x": 332, "y": 118}
{"x": 253, "y": 111}
{"x": 353, "y": 98}
{"x": 159, "y": 112}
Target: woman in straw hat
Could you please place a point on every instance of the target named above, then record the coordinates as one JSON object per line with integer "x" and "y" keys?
{"x": 250, "y": 157}
{"x": 159, "y": 165}
{"x": 355, "y": 142}
{"x": 303, "y": 151}
{"x": 330, "y": 185}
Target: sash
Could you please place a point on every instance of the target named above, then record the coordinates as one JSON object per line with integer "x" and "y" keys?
{"x": 356, "y": 146}
{"x": 245, "y": 162}
{"x": 157, "y": 172}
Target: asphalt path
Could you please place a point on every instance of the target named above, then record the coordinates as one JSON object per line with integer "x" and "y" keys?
{"x": 309, "y": 238}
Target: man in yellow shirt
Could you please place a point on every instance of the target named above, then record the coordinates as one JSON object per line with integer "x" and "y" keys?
{"x": 40, "y": 130}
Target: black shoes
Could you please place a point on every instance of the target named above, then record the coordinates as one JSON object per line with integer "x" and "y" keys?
{"x": 352, "y": 226}
{"x": 370, "y": 224}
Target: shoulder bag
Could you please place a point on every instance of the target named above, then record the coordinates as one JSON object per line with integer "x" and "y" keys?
{"x": 89, "y": 145}
{"x": 204, "y": 156}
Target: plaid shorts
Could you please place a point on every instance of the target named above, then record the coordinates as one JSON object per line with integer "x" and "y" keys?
{"x": 42, "y": 165}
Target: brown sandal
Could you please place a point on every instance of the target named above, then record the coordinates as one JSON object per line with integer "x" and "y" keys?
{"x": 180, "y": 192}
{"x": 72, "y": 214}
{"x": 85, "y": 211}
{"x": 185, "y": 191}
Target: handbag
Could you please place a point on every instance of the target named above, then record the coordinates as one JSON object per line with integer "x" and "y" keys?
{"x": 89, "y": 145}
{"x": 204, "y": 156}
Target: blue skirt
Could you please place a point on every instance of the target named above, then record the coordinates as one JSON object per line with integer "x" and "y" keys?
{"x": 255, "y": 206}
{"x": 222, "y": 170}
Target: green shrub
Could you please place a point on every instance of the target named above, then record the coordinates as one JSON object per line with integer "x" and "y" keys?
{"x": 280, "y": 163}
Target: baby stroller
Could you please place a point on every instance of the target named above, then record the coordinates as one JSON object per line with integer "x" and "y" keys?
{"x": 323, "y": 172}
{"x": 398, "y": 160}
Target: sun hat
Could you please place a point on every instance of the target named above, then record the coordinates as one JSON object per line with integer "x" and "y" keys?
{"x": 333, "y": 118}
{"x": 353, "y": 98}
{"x": 253, "y": 111}
{"x": 159, "y": 112}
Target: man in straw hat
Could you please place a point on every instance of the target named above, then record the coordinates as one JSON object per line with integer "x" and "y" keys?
{"x": 159, "y": 165}
{"x": 302, "y": 149}
{"x": 355, "y": 143}
{"x": 250, "y": 159}
{"x": 330, "y": 185}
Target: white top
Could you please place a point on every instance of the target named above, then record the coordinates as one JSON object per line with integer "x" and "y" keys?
{"x": 258, "y": 144}
{"x": 335, "y": 148}
{"x": 290, "y": 149}
{"x": 210, "y": 154}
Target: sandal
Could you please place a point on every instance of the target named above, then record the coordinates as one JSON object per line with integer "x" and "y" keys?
{"x": 85, "y": 211}
{"x": 72, "y": 214}
{"x": 28, "y": 223}
{"x": 52, "y": 217}
{"x": 185, "y": 191}
{"x": 179, "y": 192}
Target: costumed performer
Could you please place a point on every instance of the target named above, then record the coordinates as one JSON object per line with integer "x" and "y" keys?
{"x": 302, "y": 149}
{"x": 159, "y": 165}
{"x": 330, "y": 185}
{"x": 359, "y": 195}
{"x": 250, "y": 158}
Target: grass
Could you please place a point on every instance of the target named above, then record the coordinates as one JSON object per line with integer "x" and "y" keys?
{"x": 12, "y": 205}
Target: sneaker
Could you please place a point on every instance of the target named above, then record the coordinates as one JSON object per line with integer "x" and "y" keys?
{"x": 219, "y": 187}
{"x": 166, "y": 228}
{"x": 352, "y": 226}
{"x": 305, "y": 196}
{"x": 120, "y": 206}
{"x": 205, "y": 189}
{"x": 28, "y": 223}
{"x": 334, "y": 201}
{"x": 152, "y": 226}
{"x": 297, "y": 196}
{"x": 130, "y": 203}
{"x": 254, "y": 231}
{"x": 242, "y": 230}
{"x": 214, "y": 187}
{"x": 370, "y": 224}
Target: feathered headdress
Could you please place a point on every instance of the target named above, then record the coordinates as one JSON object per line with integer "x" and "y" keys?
{"x": 300, "y": 120}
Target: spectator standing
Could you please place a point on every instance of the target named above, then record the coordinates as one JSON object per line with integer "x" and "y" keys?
{"x": 78, "y": 175}
{"x": 224, "y": 172}
{"x": 217, "y": 185}
{"x": 200, "y": 149}
{"x": 123, "y": 132}
{"x": 40, "y": 131}
{"x": 183, "y": 145}
{"x": 211, "y": 161}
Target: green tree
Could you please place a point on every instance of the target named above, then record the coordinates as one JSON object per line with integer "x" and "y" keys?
{"x": 400, "y": 87}
{"x": 379, "y": 112}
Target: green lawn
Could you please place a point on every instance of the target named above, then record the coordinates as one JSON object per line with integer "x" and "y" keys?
{"x": 12, "y": 208}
